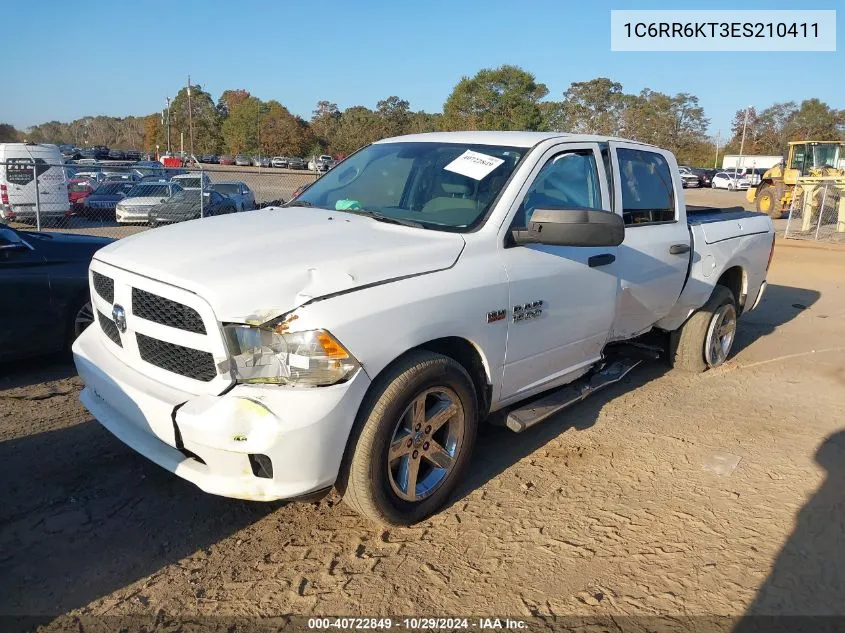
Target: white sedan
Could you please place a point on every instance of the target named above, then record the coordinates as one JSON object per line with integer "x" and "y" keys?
{"x": 731, "y": 182}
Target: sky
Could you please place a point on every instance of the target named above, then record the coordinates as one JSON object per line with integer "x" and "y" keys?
{"x": 122, "y": 58}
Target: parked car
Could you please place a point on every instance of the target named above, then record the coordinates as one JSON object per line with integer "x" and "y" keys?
{"x": 101, "y": 203}
{"x": 362, "y": 314}
{"x": 162, "y": 178}
{"x": 727, "y": 180}
{"x": 95, "y": 175}
{"x": 135, "y": 207}
{"x": 752, "y": 174}
{"x": 185, "y": 205}
{"x": 192, "y": 180}
{"x": 44, "y": 285}
{"x": 297, "y": 163}
{"x": 101, "y": 152}
{"x": 279, "y": 162}
{"x": 225, "y": 159}
{"x": 116, "y": 154}
{"x": 243, "y": 161}
{"x": 238, "y": 192}
{"x": 87, "y": 153}
{"x": 77, "y": 190}
{"x": 261, "y": 161}
{"x": 18, "y": 173}
{"x": 208, "y": 158}
{"x": 126, "y": 176}
{"x": 149, "y": 168}
{"x": 133, "y": 154}
{"x": 70, "y": 152}
{"x": 705, "y": 176}
{"x": 688, "y": 178}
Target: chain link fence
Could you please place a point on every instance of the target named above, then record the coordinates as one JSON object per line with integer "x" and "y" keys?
{"x": 817, "y": 211}
{"x": 120, "y": 198}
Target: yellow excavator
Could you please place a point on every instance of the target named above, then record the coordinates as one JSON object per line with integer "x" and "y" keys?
{"x": 808, "y": 162}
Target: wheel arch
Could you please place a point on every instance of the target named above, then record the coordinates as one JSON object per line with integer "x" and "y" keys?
{"x": 735, "y": 279}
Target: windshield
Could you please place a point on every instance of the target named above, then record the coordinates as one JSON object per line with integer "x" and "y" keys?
{"x": 227, "y": 189}
{"x": 440, "y": 185}
{"x": 825, "y": 155}
{"x": 109, "y": 189}
{"x": 190, "y": 182}
{"x": 79, "y": 187}
{"x": 148, "y": 191}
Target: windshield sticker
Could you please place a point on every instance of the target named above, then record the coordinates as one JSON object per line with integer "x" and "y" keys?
{"x": 474, "y": 164}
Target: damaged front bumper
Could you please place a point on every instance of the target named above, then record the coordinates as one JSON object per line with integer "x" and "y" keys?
{"x": 253, "y": 442}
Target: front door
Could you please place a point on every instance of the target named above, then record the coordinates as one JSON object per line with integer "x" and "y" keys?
{"x": 561, "y": 297}
{"x": 654, "y": 258}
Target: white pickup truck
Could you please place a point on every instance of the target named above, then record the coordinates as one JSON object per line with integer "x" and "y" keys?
{"x": 357, "y": 337}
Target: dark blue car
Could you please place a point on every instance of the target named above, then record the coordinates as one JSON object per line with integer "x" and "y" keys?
{"x": 101, "y": 203}
{"x": 44, "y": 285}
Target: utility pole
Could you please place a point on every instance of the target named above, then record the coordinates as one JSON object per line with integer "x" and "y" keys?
{"x": 742, "y": 141}
{"x": 190, "y": 118}
{"x": 168, "y": 125}
{"x": 716, "y": 160}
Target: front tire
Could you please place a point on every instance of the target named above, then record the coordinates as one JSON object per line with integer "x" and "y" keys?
{"x": 706, "y": 339}
{"x": 412, "y": 441}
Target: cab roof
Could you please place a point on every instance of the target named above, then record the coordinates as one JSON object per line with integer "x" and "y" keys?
{"x": 510, "y": 139}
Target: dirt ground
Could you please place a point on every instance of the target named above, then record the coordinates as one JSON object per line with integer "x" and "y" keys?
{"x": 668, "y": 495}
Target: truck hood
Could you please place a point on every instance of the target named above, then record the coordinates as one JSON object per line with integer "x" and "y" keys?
{"x": 254, "y": 266}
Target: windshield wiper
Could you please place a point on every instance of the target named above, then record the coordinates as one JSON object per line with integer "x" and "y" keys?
{"x": 388, "y": 219}
{"x": 302, "y": 203}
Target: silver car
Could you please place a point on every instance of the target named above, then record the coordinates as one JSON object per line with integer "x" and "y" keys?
{"x": 238, "y": 192}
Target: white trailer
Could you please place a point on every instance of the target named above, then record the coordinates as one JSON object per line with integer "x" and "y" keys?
{"x": 753, "y": 161}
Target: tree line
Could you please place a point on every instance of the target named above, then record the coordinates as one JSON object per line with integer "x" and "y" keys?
{"x": 504, "y": 98}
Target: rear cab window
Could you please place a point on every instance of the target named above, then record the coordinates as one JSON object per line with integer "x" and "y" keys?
{"x": 647, "y": 193}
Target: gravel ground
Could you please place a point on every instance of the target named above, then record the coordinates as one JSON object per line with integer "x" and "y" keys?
{"x": 668, "y": 495}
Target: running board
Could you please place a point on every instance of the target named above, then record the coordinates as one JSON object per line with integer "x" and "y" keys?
{"x": 527, "y": 416}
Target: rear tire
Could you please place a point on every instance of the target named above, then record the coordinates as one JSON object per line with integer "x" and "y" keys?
{"x": 706, "y": 339}
{"x": 412, "y": 441}
{"x": 768, "y": 202}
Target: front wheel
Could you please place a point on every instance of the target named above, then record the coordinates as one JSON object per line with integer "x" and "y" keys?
{"x": 412, "y": 441}
{"x": 706, "y": 339}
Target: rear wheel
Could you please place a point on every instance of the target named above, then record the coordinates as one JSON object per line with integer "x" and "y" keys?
{"x": 706, "y": 339}
{"x": 412, "y": 441}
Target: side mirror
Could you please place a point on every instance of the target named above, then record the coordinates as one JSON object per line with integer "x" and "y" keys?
{"x": 572, "y": 227}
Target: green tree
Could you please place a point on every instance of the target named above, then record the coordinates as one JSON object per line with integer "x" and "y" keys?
{"x": 814, "y": 121}
{"x": 8, "y": 133}
{"x": 593, "y": 107}
{"x": 357, "y": 126}
{"x": 229, "y": 99}
{"x": 283, "y": 133}
{"x": 324, "y": 126}
{"x": 504, "y": 98}
{"x": 240, "y": 129}
{"x": 206, "y": 121}
{"x": 676, "y": 123}
{"x": 421, "y": 122}
{"x": 395, "y": 115}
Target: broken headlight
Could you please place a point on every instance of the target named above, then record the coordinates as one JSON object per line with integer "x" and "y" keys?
{"x": 303, "y": 359}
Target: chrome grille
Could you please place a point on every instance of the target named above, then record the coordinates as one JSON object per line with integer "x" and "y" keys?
{"x": 184, "y": 361}
{"x": 157, "y": 309}
{"x": 104, "y": 286}
{"x": 109, "y": 327}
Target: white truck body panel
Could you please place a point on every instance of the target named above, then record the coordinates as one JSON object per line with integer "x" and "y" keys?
{"x": 382, "y": 290}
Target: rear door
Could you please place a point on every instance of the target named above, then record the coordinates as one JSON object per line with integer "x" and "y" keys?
{"x": 654, "y": 258}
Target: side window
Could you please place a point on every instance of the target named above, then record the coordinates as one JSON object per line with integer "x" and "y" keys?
{"x": 647, "y": 194}
{"x": 567, "y": 181}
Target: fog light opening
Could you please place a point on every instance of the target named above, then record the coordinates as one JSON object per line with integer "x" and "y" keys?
{"x": 261, "y": 466}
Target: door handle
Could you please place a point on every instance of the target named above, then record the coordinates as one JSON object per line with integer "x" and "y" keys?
{"x": 601, "y": 260}
{"x": 679, "y": 249}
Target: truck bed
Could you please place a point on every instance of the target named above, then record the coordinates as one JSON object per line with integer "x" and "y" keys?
{"x": 716, "y": 224}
